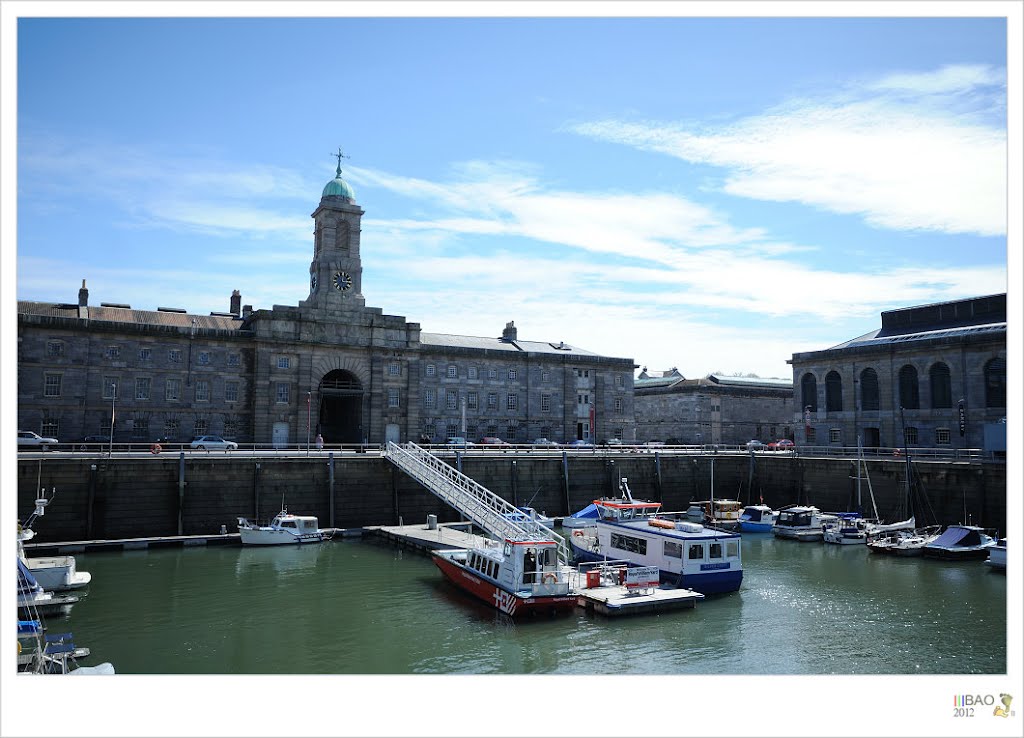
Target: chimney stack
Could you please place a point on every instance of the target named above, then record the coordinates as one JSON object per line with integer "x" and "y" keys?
{"x": 510, "y": 333}
{"x": 236, "y": 303}
{"x": 247, "y": 311}
{"x": 83, "y": 296}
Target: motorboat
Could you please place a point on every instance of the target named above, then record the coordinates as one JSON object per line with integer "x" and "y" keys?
{"x": 285, "y": 528}
{"x": 757, "y": 519}
{"x": 960, "y": 542}
{"x": 517, "y": 577}
{"x": 52, "y": 573}
{"x": 801, "y": 523}
{"x": 903, "y": 542}
{"x": 845, "y": 529}
{"x": 32, "y": 598}
{"x": 581, "y": 518}
{"x": 997, "y": 556}
{"x": 687, "y": 554}
{"x": 719, "y": 513}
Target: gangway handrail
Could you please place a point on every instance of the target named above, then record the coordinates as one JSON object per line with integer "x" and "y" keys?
{"x": 492, "y": 513}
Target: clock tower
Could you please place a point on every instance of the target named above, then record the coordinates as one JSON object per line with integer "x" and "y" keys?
{"x": 336, "y": 272}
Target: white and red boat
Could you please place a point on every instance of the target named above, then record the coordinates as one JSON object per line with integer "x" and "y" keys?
{"x": 517, "y": 577}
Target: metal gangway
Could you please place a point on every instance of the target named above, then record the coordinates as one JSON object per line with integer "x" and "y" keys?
{"x": 488, "y": 511}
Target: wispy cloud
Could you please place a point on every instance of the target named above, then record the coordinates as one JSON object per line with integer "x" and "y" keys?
{"x": 904, "y": 152}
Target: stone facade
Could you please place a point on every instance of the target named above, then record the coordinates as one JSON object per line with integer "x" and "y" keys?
{"x": 931, "y": 360}
{"x": 329, "y": 364}
{"x": 713, "y": 409}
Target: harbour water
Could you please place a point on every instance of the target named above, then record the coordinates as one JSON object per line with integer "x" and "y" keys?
{"x": 359, "y": 607}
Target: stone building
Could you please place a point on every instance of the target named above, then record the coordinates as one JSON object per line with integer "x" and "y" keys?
{"x": 329, "y": 364}
{"x": 944, "y": 364}
{"x": 713, "y": 409}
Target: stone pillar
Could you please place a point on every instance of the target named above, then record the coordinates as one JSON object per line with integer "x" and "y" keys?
{"x": 83, "y": 296}
{"x": 236, "y": 303}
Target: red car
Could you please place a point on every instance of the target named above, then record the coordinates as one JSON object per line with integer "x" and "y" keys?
{"x": 783, "y": 444}
{"x": 492, "y": 441}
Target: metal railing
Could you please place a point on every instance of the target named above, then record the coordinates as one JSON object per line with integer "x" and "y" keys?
{"x": 485, "y": 509}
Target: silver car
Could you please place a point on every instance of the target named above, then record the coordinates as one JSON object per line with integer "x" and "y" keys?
{"x": 28, "y": 439}
{"x": 205, "y": 443}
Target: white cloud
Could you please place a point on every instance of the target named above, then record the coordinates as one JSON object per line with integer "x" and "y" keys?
{"x": 901, "y": 162}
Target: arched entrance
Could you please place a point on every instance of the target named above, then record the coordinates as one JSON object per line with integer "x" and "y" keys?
{"x": 341, "y": 407}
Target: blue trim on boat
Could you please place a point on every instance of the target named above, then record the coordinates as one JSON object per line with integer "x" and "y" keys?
{"x": 709, "y": 582}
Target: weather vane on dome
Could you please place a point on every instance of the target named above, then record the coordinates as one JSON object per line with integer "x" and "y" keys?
{"x": 340, "y": 156}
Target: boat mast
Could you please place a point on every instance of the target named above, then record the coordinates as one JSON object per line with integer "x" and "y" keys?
{"x": 906, "y": 455}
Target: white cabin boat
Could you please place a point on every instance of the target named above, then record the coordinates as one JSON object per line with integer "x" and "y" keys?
{"x": 719, "y": 513}
{"x": 285, "y": 528}
{"x": 687, "y": 554}
{"x": 52, "y": 573}
{"x": 904, "y": 542}
{"x": 757, "y": 519}
{"x": 845, "y": 529}
{"x": 997, "y": 556}
{"x": 799, "y": 523}
{"x": 960, "y": 542}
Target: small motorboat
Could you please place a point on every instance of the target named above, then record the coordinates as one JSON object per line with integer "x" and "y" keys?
{"x": 717, "y": 513}
{"x": 845, "y": 529}
{"x": 997, "y": 556}
{"x": 285, "y": 528}
{"x": 903, "y": 542}
{"x": 799, "y": 523}
{"x": 757, "y": 519}
{"x": 960, "y": 542}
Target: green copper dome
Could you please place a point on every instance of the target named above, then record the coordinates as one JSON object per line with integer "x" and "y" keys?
{"x": 338, "y": 187}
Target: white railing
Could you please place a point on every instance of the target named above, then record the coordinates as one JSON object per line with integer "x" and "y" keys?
{"x": 485, "y": 509}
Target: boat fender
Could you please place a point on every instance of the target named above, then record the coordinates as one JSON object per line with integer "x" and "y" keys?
{"x": 548, "y": 578}
{"x": 577, "y": 533}
{"x": 155, "y": 448}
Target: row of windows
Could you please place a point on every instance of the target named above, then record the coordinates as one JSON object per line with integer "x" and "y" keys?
{"x": 451, "y": 400}
{"x": 473, "y": 372}
{"x": 511, "y": 431}
{"x": 53, "y": 386}
{"x": 910, "y": 435}
{"x": 940, "y": 383}
{"x": 55, "y": 349}
{"x": 140, "y": 428}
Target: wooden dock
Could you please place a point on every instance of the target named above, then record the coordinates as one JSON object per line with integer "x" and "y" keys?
{"x": 424, "y": 538}
{"x": 616, "y": 600}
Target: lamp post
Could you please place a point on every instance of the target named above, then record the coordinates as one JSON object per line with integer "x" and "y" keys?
{"x": 113, "y": 397}
{"x": 309, "y": 404}
{"x": 191, "y": 335}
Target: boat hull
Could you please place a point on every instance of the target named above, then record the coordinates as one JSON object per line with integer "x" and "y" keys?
{"x": 953, "y": 554}
{"x": 57, "y": 573}
{"x": 277, "y": 537}
{"x": 747, "y": 526}
{"x": 510, "y": 603}
{"x": 798, "y": 534}
{"x": 718, "y": 581}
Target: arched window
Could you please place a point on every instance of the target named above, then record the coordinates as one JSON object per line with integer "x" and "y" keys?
{"x": 942, "y": 391}
{"x": 833, "y": 392}
{"x": 809, "y": 392}
{"x": 995, "y": 383}
{"x": 868, "y": 390}
{"x": 909, "y": 398}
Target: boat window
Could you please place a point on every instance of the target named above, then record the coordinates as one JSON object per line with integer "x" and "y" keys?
{"x": 716, "y": 551}
{"x": 732, "y": 549}
{"x": 673, "y": 549}
{"x": 629, "y": 543}
{"x": 487, "y": 568}
{"x": 497, "y": 568}
{"x": 287, "y": 523}
{"x": 696, "y": 551}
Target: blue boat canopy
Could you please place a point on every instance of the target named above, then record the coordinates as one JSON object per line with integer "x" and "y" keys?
{"x": 590, "y": 511}
{"x": 957, "y": 535}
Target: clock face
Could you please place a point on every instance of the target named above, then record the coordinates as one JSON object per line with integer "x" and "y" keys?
{"x": 312, "y": 283}
{"x": 342, "y": 281}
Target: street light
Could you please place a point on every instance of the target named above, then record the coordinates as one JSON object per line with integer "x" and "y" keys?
{"x": 309, "y": 403}
{"x": 113, "y": 397}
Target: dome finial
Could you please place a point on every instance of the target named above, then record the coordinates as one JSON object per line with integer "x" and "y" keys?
{"x": 340, "y": 156}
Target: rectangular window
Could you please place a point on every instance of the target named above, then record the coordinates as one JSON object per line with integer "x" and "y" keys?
{"x": 172, "y": 389}
{"x": 545, "y": 376}
{"x": 629, "y": 543}
{"x": 492, "y": 373}
{"x": 492, "y": 400}
{"x": 145, "y": 354}
{"x": 52, "y": 384}
{"x": 200, "y": 427}
{"x": 453, "y": 371}
{"x": 942, "y": 436}
{"x": 911, "y": 435}
{"x": 51, "y": 428}
{"x": 282, "y": 392}
{"x": 140, "y": 429}
{"x": 618, "y": 404}
{"x": 394, "y": 369}
{"x": 109, "y": 388}
{"x": 429, "y": 424}
{"x": 431, "y": 370}
{"x": 619, "y": 381}
{"x": 512, "y": 375}
{"x": 512, "y": 402}
{"x": 54, "y": 348}
{"x": 429, "y": 399}
{"x": 204, "y": 357}
{"x": 230, "y": 392}
{"x": 471, "y": 430}
{"x": 732, "y": 549}
{"x": 113, "y": 352}
{"x": 673, "y": 550}
{"x": 695, "y": 552}
{"x": 545, "y": 403}
{"x": 453, "y": 429}
{"x": 812, "y": 435}
{"x": 715, "y": 551}
{"x": 393, "y": 397}
{"x": 474, "y": 373}
{"x": 833, "y": 435}
{"x": 231, "y": 429}
{"x": 234, "y": 360}
{"x": 451, "y": 399}
{"x": 171, "y": 429}
{"x": 142, "y": 388}
{"x": 283, "y": 362}
{"x": 174, "y": 356}
{"x": 472, "y": 401}
{"x": 202, "y": 390}
{"x": 511, "y": 432}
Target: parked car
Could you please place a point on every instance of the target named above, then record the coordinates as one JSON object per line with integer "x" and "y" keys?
{"x": 458, "y": 441}
{"x": 543, "y": 442}
{"x": 28, "y": 439}
{"x": 580, "y": 442}
{"x": 613, "y": 442}
{"x": 206, "y": 443}
{"x": 754, "y": 445}
{"x": 783, "y": 444}
{"x": 96, "y": 441}
{"x": 492, "y": 441}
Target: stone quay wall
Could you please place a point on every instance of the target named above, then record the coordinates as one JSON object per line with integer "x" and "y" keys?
{"x": 100, "y": 498}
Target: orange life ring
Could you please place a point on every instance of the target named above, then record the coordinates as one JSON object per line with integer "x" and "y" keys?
{"x": 155, "y": 448}
{"x": 548, "y": 578}
{"x": 577, "y": 533}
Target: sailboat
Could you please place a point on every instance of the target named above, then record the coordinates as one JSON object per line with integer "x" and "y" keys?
{"x": 720, "y": 513}
{"x": 851, "y": 528}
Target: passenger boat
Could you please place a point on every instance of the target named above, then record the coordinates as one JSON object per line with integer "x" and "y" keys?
{"x": 757, "y": 519}
{"x": 799, "y": 523}
{"x": 285, "y": 528}
{"x": 517, "y": 577}
{"x": 904, "y": 542}
{"x": 997, "y": 556}
{"x": 960, "y": 542}
{"x": 687, "y": 554}
{"x": 845, "y": 528}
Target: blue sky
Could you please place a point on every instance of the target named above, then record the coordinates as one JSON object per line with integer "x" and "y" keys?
{"x": 713, "y": 194}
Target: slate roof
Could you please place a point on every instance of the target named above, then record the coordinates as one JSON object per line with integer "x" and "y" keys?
{"x": 499, "y": 344}
{"x": 128, "y": 315}
{"x": 875, "y": 337}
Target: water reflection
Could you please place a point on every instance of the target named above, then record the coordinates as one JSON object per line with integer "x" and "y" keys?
{"x": 259, "y": 560}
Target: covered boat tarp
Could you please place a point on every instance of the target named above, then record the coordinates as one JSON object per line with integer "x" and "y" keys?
{"x": 957, "y": 535}
{"x": 26, "y": 582}
{"x": 590, "y": 511}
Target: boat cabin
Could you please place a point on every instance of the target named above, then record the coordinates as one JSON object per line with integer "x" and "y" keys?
{"x": 299, "y": 523}
{"x": 798, "y": 517}
{"x": 622, "y": 511}
{"x": 520, "y": 565}
{"x": 758, "y": 513}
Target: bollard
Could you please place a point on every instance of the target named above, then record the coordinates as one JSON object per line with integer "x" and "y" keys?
{"x": 431, "y": 522}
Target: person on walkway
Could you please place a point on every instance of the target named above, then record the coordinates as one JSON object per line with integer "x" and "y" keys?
{"x": 319, "y": 442}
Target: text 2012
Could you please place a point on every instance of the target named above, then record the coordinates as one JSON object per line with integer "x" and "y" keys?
{"x": 963, "y": 712}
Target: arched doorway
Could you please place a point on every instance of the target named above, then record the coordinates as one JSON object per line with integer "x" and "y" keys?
{"x": 341, "y": 407}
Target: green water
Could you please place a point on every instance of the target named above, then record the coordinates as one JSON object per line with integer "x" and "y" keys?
{"x": 356, "y": 607}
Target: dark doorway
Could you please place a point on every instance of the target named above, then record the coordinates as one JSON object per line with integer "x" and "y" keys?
{"x": 341, "y": 408}
{"x": 871, "y": 438}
